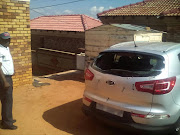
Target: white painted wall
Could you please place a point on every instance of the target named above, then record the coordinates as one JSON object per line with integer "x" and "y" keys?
{"x": 150, "y": 37}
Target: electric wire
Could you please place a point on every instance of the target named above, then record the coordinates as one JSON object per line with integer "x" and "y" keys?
{"x": 59, "y": 4}
{"x": 33, "y": 9}
{"x": 44, "y": 1}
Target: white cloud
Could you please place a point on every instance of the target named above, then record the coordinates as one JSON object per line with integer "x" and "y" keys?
{"x": 57, "y": 12}
{"x": 67, "y": 12}
{"x": 100, "y": 9}
{"x": 95, "y": 10}
{"x": 111, "y": 7}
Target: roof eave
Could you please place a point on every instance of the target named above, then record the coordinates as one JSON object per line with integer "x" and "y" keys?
{"x": 57, "y": 30}
{"x": 160, "y": 15}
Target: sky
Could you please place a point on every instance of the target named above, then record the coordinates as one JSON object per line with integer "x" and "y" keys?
{"x": 66, "y": 7}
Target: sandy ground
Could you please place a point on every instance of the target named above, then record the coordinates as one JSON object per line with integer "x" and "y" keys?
{"x": 55, "y": 109}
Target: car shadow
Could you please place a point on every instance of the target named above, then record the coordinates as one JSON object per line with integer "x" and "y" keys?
{"x": 69, "y": 118}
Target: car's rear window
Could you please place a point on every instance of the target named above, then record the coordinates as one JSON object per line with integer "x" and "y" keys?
{"x": 129, "y": 64}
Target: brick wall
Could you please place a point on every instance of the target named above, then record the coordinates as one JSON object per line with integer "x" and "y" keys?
{"x": 58, "y": 40}
{"x": 15, "y": 19}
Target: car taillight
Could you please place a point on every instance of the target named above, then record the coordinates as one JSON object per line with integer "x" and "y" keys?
{"x": 87, "y": 99}
{"x": 156, "y": 87}
{"x": 88, "y": 75}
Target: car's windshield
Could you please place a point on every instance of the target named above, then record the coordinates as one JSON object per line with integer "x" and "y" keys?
{"x": 129, "y": 64}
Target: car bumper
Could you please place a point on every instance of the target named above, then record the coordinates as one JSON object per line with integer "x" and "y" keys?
{"x": 125, "y": 121}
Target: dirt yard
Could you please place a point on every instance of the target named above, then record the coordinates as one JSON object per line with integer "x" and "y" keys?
{"x": 54, "y": 109}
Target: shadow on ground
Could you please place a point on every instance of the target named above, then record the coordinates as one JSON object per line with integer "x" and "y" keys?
{"x": 69, "y": 118}
{"x": 76, "y": 75}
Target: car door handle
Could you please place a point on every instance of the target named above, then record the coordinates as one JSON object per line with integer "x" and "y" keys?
{"x": 110, "y": 82}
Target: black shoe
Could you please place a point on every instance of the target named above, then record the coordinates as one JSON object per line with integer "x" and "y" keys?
{"x": 12, "y": 127}
{"x": 13, "y": 121}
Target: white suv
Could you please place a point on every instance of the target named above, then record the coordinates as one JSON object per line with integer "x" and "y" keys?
{"x": 136, "y": 84}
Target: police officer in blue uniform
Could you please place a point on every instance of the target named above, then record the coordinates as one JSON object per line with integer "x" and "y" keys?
{"x": 6, "y": 84}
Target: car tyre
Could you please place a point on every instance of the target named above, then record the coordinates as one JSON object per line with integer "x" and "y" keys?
{"x": 84, "y": 111}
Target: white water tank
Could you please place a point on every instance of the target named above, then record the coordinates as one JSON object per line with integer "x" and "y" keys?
{"x": 80, "y": 61}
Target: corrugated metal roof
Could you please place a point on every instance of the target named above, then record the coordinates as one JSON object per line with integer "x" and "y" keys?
{"x": 146, "y": 8}
{"x": 78, "y": 23}
{"x": 135, "y": 27}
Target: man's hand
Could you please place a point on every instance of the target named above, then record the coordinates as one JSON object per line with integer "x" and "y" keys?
{"x": 3, "y": 82}
{"x": 6, "y": 85}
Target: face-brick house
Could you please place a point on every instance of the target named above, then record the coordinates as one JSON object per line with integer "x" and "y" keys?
{"x": 56, "y": 41}
{"x": 15, "y": 19}
{"x": 162, "y": 15}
